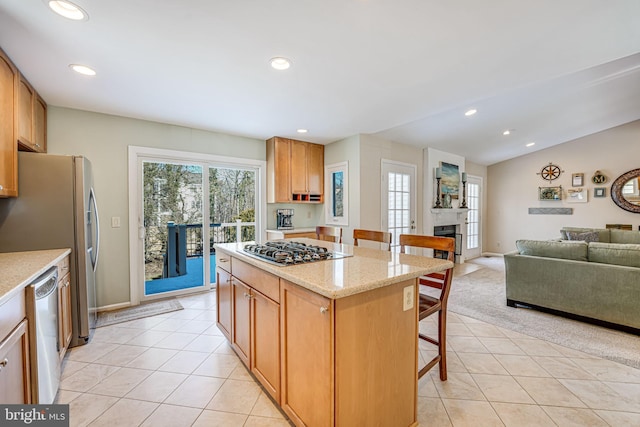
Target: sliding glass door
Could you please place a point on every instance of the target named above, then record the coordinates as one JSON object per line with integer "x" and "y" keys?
{"x": 185, "y": 207}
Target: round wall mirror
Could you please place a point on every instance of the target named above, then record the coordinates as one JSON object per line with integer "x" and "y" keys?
{"x": 625, "y": 191}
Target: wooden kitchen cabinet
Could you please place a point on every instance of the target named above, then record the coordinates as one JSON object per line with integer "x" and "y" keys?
{"x": 307, "y": 356}
{"x": 223, "y": 300}
{"x": 40, "y": 124}
{"x": 295, "y": 171}
{"x": 15, "y": 358}
{"x": 241, "y": 331}
{"x": 340, "y": 339}
{"x": 64, "y": 310}
{"x": 265, "y": 342}
{"x": 8, "y": 148}
{"x": 278, "y": 170}
{"x": 14, "y": 367}
{"x": 256, "y": 323}
{"x": 31, "y": 118}
{"x": 315, "y": 170}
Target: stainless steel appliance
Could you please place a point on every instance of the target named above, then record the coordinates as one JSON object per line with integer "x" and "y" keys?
{"x": 284, "y": 219}
{"x": 287, "y": 252}
{"x": 56, "y": 208}
{"x": 46, "y": 287}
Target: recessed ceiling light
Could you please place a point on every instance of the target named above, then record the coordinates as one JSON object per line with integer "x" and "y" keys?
{"x": 531, "y": 144}
{"x": 507, "y": 132}
{"x": 280, "y": 63}
{"x": 471, "y": 112}
{"x": 68, "y": 10}
{"x": 302, "y": 131}
{"x": 83, "y": 69}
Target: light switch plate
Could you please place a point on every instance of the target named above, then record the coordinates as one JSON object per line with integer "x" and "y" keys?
{"x": 115, "y": 222}
{"x": 407, "y": 301}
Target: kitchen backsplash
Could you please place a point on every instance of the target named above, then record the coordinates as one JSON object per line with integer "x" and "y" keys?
{"x": 305, "y": 215}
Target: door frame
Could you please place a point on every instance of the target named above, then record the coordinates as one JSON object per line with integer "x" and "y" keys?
{"x": 384, "y": 195}
{"x": 136, "y": 156}
{"x": 475, "y": 253}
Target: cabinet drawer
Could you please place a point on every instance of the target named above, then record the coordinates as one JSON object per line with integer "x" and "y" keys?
{"x": 11, "y": 313}
{"x": 223, "y": 260}
{"x": 261, "y": 281}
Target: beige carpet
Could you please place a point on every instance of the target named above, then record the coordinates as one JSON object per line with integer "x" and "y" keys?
{"x": 481, "y": 295}
{"x": 107, "y": 318}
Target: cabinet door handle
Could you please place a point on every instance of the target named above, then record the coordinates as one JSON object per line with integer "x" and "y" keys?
{"x": 247, "y": 296}
{"x": 1, "y": 188}
{"x": 223, "y": 260}
{"x": 4, "y": 362}
{"x": 323, "y": 310}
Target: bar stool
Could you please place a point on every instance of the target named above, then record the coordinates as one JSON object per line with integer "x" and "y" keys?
{"x": 333, "y": 234}
{"x": 374, "y": 236}
{"x": 429, "y": 305}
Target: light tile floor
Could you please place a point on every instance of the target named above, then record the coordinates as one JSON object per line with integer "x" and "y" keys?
{"x": 177, "y": 369}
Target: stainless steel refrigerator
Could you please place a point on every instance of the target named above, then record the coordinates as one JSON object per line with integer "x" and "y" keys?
{"x": 56, "y": 208}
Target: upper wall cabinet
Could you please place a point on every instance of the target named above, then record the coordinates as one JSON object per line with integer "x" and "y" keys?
{"x": 32, "y": 118}
{"x": 295, "y": 171}
{"x": 8, "y": 149}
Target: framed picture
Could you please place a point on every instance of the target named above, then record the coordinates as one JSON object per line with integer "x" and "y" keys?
{"x": 577, "y": 180}
{"x": 550, "y": 193}
{"x": 450, "y": 181}
{"x": 336, "y": 177}
{"x": 577, "y": 196}
{"x": 600, "y": 192}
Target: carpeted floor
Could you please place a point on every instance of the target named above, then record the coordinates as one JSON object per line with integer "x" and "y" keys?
{"x": 481, "y": 295}
{"x": 107, "y": 318}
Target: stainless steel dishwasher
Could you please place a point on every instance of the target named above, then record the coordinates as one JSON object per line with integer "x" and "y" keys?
{"x": 46, "y": 287}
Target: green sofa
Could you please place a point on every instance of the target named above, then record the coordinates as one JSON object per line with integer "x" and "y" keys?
{"x": 596, "y": 279}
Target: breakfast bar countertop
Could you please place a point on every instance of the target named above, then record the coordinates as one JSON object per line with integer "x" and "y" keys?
{"x": 18, "y": 269}
{"x": 362, "y": 270}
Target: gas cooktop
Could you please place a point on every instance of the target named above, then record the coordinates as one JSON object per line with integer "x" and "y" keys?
{"x": 288, "y": 252}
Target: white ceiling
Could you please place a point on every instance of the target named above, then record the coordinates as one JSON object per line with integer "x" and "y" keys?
{"x": 404, "y": 70}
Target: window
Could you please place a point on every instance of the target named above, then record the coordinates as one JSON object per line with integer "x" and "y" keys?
{"x": 337, "y": 190}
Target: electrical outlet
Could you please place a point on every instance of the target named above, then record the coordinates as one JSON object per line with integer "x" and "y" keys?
{"x": 407, "y": 301}
{"x": 309, "y": 215}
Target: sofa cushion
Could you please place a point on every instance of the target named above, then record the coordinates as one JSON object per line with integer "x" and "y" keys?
{"x": 603, "y": 233}
{"x": 587, "y": 236}
{"x": 574, "y": 250}
{"x": 625, "y": 236}
{"x": 615, "y": 253}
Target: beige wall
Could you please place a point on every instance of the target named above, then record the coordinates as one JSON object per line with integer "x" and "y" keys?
{"x": 348, "y": 150}
{"x": 513, "y": 188}
{"x": 104, "y": 140}
{"x": 372, "y": 151}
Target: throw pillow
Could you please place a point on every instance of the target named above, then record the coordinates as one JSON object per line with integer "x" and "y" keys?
{"x": 590, "y": 236}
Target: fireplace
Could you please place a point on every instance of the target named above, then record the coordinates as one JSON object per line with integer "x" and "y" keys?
{"x": 448, "y": 231}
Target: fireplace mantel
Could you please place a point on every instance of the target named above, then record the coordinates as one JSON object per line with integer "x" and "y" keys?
{"x": 448, "y": 210}
{"x": 449, "y": 216}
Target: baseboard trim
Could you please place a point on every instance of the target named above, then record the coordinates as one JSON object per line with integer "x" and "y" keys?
{"x": 112, "y": 307}
{"x": 591, "y": 320}
{"x": 492, "y": 254}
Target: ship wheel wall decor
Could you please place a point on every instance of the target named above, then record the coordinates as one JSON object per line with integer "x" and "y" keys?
{"x": 550, "y": 172}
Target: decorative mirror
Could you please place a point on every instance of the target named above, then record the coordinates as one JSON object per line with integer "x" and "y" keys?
{"x": 625, "y": 191}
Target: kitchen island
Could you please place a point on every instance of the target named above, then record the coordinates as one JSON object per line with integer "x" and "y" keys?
{"x": 334, "y": 342}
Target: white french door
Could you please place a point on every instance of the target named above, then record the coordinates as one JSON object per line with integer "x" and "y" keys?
{"x": 398, "y": 199}
{"x": 474, "y": 190}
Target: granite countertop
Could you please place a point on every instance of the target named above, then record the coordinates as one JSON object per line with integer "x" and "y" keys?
{"x": 18, "y": 269}
{"x": 364, "y": 270}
